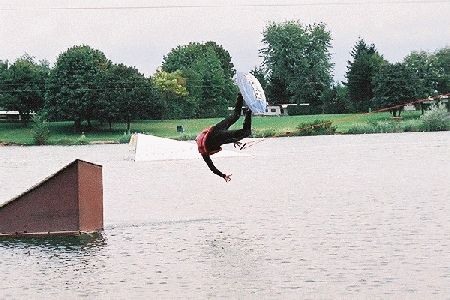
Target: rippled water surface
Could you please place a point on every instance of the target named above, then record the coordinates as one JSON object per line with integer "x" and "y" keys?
{"x": 364, "y": 216}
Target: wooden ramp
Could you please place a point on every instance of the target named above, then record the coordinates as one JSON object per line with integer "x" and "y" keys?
{"x": 65, "y": 203}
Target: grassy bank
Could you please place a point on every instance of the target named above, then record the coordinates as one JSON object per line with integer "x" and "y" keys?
{"x": 62, "y": 133}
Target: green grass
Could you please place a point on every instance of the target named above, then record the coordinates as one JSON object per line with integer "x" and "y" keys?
{"x": 63, "y": 133}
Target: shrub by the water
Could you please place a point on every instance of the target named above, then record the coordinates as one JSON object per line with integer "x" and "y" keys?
{"x": 361, "y": 128}
{"x": 82, "y": 140}
{"x": 64, "y": 141}
{"x": 186, "y": 137}
{"x": 125, "y": 138}
{"x": 435, "y": 119}
{"x": 387, "y": 127}
{"x": 412, "y": 126}
{"x": 263, "y": 133}
{"x": 316, "y": 127}
{"x": 41, "y": 131}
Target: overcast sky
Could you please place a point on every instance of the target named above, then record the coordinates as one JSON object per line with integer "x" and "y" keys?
{"x": 141, "y": 36}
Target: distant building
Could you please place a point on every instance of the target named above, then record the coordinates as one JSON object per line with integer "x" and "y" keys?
{"x": 409, "y": 107}
{"x": 427, "y": 103}
{"x": 424, "y": 105}
{"x": 11, "y": 115}
{"x": 273, "y": 110}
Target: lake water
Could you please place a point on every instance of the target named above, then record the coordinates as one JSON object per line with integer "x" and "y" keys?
{"x": 360, "y": 216}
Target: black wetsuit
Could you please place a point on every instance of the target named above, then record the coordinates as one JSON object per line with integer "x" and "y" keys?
{"x": 220, "y": 134}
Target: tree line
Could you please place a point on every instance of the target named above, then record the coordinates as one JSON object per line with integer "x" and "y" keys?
{"x": 196, "y": 80}
{"x": 297, "y": 69}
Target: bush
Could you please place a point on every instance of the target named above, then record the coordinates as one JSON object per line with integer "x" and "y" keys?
{"x": 316, "y": 127}
{"x": 435, "y": 119}
{"x": 125, "y": 138}
{"x": 263, "y": 133}
{"x": 412, "y": 126}
{"x": 63, "y": 141}
{"x": 41, "y": 131}
{"x": 362, "y": 128}
{"x": 186, "y": 137}
{"x": 387, "y": 127}
{"x": 82, "y": 140}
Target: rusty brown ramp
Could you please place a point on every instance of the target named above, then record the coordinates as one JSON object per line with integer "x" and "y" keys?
{"x": 67, "y": 202}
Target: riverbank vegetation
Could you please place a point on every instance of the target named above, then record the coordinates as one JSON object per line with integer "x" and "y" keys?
{"x": 62, "y": 133}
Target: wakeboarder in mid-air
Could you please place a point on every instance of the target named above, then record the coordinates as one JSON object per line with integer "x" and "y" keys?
{"x": 210, "y": 140}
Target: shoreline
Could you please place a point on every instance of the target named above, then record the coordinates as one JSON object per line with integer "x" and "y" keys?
{"x": 62, "y": 133}
{"x": 287, "y": 135}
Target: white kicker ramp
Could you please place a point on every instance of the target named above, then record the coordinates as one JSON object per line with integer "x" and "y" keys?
{"x": 151, "y": 148}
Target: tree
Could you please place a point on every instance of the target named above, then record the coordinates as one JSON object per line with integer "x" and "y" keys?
{"x": 441, "y": 59}
{"x": 433, "y": 70}
{"x": 173, "y": 82}
{"x": 4, "y": 66}
{"x": 224, "y": 58}
{"x": 297, "y": 58}
{"x": 24, "y": 86}
{"x": 215, "y": 89}
{"x": 360, "y": 73}
{"x": 394, "y": 86}
{"x": 127, "y": 95}
{"x": 336, "y": 100}
{"x": 184, "y": 56}
{"x": 172, "y": 86}
{"x": 421, "y": 64}
{"x": 208, "y": 71}
{"x": 75, "y": 85}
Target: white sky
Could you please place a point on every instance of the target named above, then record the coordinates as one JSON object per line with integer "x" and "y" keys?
{"x": 141, "y": 37}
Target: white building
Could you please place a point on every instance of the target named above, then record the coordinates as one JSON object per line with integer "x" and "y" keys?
{"x": 274, "y": 110}
{"x": 9, "y": 115}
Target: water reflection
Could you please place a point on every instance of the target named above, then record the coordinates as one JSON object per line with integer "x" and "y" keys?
{"x": 52, "y": 266}
{"x": 73, "y": 243}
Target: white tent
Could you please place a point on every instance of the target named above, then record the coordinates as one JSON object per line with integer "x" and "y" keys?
{"x": 150, "y": 147}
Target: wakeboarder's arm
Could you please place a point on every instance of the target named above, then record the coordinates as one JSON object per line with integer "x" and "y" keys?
{"x": 213, "y": 168}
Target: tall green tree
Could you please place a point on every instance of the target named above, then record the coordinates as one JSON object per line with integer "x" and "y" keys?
{"x": 421, "y": 63}
{"x": 127, "y": 95}
{"x": 4, "y": 65}
{"x": 211, "y": 85}
{"x": 335, "y": 99}
{"x": 3, "y": 68}
{"x": 298, "y": 62}
{"x": 394, "y": 86}
{"x": 75, "y": 85}
{"x": 441, "y": 59}
{"x": 208, "y": 71}
{"x": 360, "y": 74}
{"x": 24, "y": 84}
{"x": 224, "y": 58}
{"x": 184, "y": 56}
{"x": 172, "y": 86}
